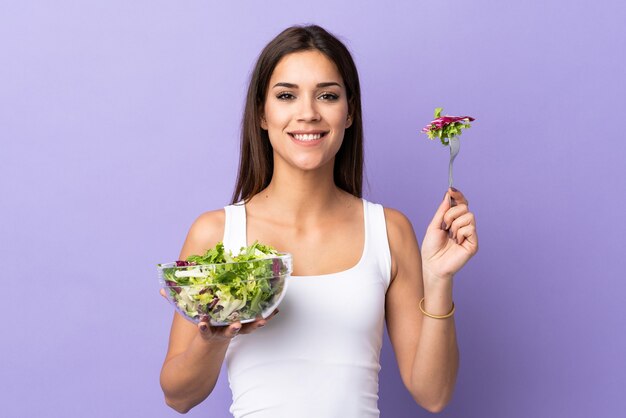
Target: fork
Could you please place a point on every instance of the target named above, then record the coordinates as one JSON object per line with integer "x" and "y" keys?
{"x": 454, "y": 151}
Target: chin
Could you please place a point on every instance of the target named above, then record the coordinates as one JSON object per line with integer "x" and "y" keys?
{"x": 311, "y": 164}
{"x": 308, "y": 167}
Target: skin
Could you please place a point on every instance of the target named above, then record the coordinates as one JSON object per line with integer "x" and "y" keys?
{"x": 304, "y": 213}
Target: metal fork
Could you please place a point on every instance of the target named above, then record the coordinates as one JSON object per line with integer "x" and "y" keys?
{"x": 455, "y": 145}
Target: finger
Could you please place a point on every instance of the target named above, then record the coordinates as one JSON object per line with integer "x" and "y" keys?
{"x": 210, "y": 331}
{"x": 259, "y": 323}
{"x": 467, "y": 235}
{"x": 457, "y": 196}
{"x": 454, "y": 213}
{"x": 459, "y": 222}
{"x": 248, "y": 328}
{"x": 252, "y": 326}
{"x": 453, "y": 202}
{"x": 233, "y": 330}
{"x": 437, "y": 221}
{"x": 162, "y": 292}
{"x": 205, "y": 327}
{"x": 274, "y": 313}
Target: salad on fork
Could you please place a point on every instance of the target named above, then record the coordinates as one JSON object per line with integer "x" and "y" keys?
{"x": 448, "y": 129}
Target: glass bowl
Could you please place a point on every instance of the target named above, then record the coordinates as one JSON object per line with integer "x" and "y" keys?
{"x": 227, "y": 292}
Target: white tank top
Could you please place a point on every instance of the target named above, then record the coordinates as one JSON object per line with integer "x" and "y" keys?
{"x": 319, "y": 357}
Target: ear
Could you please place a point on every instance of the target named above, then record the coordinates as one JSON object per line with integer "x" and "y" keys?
{"x": 348, "y": 121}
{"x": 263, "y": 123}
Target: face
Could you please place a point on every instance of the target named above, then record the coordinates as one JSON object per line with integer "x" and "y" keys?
{"x": 306, "y": 111}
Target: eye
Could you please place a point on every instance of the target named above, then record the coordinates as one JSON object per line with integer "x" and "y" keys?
{"x": 284, "y": 96}
{"x": 329, "y": 96}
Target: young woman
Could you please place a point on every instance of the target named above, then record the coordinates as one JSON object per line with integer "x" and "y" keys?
{"x": 355, "y": 263}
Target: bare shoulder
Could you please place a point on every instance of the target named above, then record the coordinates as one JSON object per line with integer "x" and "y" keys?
{"x": 208, "y": 222}
{"x": 206, "y": 231}
{"x": 402, "y": 241}
{"x": 399, "y": 227}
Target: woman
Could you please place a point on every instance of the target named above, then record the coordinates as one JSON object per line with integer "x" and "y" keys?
{"x": 355, "y": 263}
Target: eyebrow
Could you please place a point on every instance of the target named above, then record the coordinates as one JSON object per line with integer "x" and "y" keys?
{"x": 295, "y": 86}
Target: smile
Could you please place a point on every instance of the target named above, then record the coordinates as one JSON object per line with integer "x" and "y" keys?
{"x": 308, "y": 137}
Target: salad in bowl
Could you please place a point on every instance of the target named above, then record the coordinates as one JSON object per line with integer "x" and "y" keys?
{"x": 224, "y": 288}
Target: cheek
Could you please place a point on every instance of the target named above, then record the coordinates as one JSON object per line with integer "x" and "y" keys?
{"x": 276, "y": 117}
{"x": 338, "y": 115}
{"x": 338, "y": 119}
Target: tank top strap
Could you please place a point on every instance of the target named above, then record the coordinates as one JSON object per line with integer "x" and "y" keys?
{"x": 235, "y": 227}
{"x": 377, "y": 241}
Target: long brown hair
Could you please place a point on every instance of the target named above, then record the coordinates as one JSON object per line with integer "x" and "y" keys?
{"x": 256, "y": 163}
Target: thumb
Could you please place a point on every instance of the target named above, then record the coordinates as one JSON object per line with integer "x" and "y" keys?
{"x": 437, "y": 222}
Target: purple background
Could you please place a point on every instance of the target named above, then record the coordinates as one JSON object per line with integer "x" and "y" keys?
{"x": 119, "y": 125}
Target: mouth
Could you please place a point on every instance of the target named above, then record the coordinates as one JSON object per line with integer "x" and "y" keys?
{"x": 307, "y": 137}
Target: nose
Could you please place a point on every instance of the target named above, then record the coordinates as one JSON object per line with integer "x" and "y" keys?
{"x": 308, "y": 110}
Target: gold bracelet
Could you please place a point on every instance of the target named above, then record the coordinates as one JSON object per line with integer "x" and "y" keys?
{"x": 436, "y": 316}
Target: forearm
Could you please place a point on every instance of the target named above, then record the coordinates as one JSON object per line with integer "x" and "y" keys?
{"x": 188, "y": 378}
{"x": 437, "y": 356}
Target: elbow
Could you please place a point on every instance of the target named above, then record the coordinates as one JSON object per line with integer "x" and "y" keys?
{"x": 433, "y": 405}
{"x": 434, "y": 399}
{"x": 182, "y": 405}
{"x": 435, "y": 408}
{"x": 177, "y": 406}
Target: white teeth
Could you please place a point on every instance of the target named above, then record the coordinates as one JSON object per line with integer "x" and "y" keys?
{"x": 307, "y": 137}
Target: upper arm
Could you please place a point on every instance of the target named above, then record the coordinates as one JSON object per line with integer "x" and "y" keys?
{"x": 206, "y": 231}
{"x": 403, "y": 317}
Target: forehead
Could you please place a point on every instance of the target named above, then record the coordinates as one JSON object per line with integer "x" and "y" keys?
{"x": 305, "y": 67}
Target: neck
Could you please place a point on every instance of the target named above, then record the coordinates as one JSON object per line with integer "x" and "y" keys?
{"x": 298, "y": 195}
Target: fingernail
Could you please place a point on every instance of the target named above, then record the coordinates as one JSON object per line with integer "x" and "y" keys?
{"x": 236, "y": 330}
{"x": 260, "y": 325}
{"x": 443, "y": 225}
{"x": 453, "y": 189}
{"x": 203, "y": 327}
{"x": 450, "y": 233}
